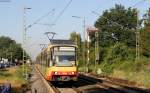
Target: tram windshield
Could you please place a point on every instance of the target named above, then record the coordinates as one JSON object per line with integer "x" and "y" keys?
{"x": 65, "y": 57}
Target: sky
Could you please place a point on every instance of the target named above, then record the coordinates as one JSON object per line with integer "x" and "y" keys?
{"x": 11, "y": 18}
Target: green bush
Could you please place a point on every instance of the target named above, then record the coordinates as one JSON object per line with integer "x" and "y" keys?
{"x": 118, "y": 52}
{"x": 115, "y": 56}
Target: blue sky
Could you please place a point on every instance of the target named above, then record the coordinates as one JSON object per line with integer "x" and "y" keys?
{"x": 12, "y": 12}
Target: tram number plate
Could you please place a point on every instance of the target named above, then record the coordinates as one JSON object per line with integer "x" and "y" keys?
{"x": 64, "y": 73}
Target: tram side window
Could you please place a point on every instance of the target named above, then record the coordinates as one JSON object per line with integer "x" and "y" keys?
{"x": 53, "y": 57}
{"x": 47, "y": 59}
{"x": 50, "y": 62}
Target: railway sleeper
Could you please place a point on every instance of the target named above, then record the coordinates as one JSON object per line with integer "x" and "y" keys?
{"x": 111, "y": 85}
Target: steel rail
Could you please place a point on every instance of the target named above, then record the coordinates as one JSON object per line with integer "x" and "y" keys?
{"x": 126, "y": 85}
{"x": 111, "y": 89}
{"x": 112, "y": 85}
{"x": 76, "y": 89}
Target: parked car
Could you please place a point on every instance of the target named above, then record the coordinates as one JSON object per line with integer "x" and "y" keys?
{"x": 2, "y": 65}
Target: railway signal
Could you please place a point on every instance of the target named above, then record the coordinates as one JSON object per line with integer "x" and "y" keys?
{"x": 89, "y": 31}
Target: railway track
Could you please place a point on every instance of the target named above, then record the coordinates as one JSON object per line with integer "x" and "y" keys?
{"x": 87, "y": 84}
{"x": 128, "y": 84}
{"x": 113, "y": 86}
{"x": 65, "y": 88}
{"x": 53, "y": 88}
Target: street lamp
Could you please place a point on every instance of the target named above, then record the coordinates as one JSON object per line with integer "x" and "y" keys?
{"x": 83, "y": 18}
{"x": 24, "y": 33}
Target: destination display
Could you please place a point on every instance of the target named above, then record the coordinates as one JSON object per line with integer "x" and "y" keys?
{"x": 64, "y": 48}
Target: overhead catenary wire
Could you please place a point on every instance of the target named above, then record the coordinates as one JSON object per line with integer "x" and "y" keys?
{"x": 56, "y": 19}
{"x": 141, "y": 1}
{"x": 112, "y": 22}
{"x": 51, "y": 11}
{"x": 42, "y": 17}
{"x": 116, "y": 23}
{"x": 120, "y": 3}
{"x": 61, "y": 13}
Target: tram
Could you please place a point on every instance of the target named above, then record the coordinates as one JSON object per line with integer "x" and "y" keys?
{"x": 58, "y": 62}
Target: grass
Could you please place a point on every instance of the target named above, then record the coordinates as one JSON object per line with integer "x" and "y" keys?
{"x": 130, "y": 70}
{"x": 13, "y": 75}
{"x": 133, "y": 71}
{"x": 141, "y": 77}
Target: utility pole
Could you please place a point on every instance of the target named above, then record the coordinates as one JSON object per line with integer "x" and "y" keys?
{"x": 84, "y": 46}
{"x": 137, "y": 58}
{"x": 84, "y": 41}
{"x": 24, "y": 27}
{"x": 137, "y": 39}
{"x": 24, "y": 38}
{"x": 88, "y": 50}
{"x": 96, "y": 49}
{"x": 95, "y": 31}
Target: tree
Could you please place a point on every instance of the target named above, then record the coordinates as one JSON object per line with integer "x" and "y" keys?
{"x": 117, "y": 25}
{"x": 10, "y": 49}
{"x": 145, "y": 35}
{"x": 5, "y": 42}
{"x": 76, "y": 37}
{"x": 147, "y": 18}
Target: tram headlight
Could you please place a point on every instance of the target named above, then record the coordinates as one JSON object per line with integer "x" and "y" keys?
{"x": 73, "y": 73}
{"x": 55, "y": 73}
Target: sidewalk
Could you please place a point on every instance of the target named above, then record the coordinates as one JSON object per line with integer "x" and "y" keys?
{"x": 37, "y": 85}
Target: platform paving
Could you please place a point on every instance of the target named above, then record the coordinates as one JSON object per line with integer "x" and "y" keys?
{"x": 37, "y": 84}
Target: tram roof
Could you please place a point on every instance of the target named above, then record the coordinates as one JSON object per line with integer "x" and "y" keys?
{"x": 62, "y": 42}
